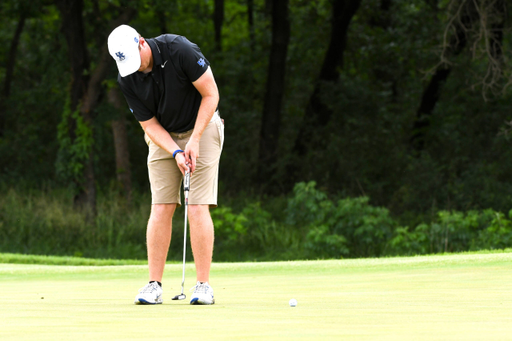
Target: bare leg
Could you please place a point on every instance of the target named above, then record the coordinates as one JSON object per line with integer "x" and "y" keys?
{"x": 201, "y": 239}
{"x": 158, "y": 237}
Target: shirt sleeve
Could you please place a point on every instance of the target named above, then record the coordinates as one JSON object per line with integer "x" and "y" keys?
{"x": 138, "y": 109}
{"x": 191, "y": 59}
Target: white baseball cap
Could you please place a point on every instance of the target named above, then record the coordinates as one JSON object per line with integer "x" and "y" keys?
{"x": 123, "y": 45}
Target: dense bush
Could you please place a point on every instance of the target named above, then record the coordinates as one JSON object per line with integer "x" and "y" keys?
{"x": 311, "y": 226}
{"x": 347, "y": 227}
{"x": 455, "y": 231}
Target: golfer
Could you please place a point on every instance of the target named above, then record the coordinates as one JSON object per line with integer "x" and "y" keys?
{"x": 171, "y": 91}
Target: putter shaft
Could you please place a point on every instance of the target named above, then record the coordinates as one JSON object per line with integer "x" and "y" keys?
{"x": 186, "y": 188}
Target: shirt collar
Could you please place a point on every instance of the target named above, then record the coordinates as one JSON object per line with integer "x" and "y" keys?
{"x": 157, "y": 55}
{"x": 157, "y": 58}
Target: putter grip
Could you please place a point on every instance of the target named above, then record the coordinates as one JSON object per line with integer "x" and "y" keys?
{"x": 186, "y": 181}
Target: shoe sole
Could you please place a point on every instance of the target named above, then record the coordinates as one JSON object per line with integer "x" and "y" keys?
{"x": 195, "y": 301}
{"x": 144, "y": 302}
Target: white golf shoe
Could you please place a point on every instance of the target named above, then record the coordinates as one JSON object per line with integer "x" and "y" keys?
{"x": 149, "y": 294}
{"x": 203, "y": 294}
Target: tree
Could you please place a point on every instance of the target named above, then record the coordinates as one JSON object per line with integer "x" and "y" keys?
{"x": 123, "y": 169}
{"x": 317, "y": 113}
{"x": 479, "y": 25}
{"x": 250, "y": 22}
{"x": 218, "y": 20}
{"x": 84, "y": 96}
{"x": 11, "y": 62}
{"x": 271, "y": 118}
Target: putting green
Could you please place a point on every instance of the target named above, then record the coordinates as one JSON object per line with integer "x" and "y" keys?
{"x": 447, "y": 297}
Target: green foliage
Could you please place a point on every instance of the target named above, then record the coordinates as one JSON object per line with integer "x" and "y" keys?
{"x": 229, "y": 226}
{"x": 349, "y": 227}
{"x": 312, "y": 226}
{"x": 254, "y": 233}
{"x": 498, "y": 235}
{"x": 368, "y": 227}
{"x": 75, "y": 144}
{"x": 405, "y": 242}
{"x": 46, "y": 222}
{"x": 311, "y": 210}
{"x": 455, "y": 231}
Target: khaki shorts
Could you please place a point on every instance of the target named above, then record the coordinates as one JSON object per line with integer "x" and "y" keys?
{"x": 165, "y": 176}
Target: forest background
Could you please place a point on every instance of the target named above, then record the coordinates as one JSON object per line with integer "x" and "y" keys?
{"x": 354, "y": 128}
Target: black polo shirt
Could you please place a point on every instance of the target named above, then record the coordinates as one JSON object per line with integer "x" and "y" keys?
{"x": 167, "y": 92}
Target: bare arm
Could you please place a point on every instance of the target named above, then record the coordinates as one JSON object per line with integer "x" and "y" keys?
{"x": 210, "y": 99}
{"x": 161, "y": 137}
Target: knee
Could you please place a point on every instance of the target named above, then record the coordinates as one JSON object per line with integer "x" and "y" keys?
{"x": 199, "y": 214}
{"x": 162, "y": 211}
{"x": 199, "y": 210}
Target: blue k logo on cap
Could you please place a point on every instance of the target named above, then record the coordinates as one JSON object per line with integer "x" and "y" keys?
{"x": 121, "y": 56}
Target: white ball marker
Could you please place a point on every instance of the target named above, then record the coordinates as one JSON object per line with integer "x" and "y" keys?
{"x": 293, "y": 302}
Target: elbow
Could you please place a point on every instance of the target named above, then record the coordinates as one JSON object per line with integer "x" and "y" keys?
{"x": 212, "y": 98}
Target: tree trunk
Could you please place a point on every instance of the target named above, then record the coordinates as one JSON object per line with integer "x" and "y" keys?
{"x": 162, "y": 22}
{"x": 432, "y": 92}
{"x": 268, "y": 7}
{"x": 428, "y": 102}
{"x": 317, "y": 113}
{"x": 11, "y": 60}
{"x": 72, "y": 27}
{"x": 497, "y": 29}
{"x": 9, "y": 69}
{"x": 496, "y": 36}
{"x": 250, "y": 21}
{"x": 218, "y": 20}
{"x": 88, "y": 103}
{"x": 382, "y": 18}
{"x": 160, "y": 9}
{"x": 271, "y": 120}
{"x": 123, "y": 169}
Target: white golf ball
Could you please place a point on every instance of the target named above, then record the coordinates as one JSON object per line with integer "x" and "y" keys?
{"x": 293, "y": 302}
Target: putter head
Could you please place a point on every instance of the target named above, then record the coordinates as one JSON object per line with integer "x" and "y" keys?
{"x": 179, "y": 297}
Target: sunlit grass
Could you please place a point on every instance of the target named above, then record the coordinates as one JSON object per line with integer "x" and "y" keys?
{"x": 450, "y": 297}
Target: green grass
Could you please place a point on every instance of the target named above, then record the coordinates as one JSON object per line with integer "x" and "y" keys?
{"x": 14, "y": 258}
{"x": 445, "y": 297}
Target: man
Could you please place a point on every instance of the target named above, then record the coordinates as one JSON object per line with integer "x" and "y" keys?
{"x": 171, "y": 91}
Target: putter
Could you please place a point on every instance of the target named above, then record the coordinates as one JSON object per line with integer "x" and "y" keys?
{"x": 186, "y": 188}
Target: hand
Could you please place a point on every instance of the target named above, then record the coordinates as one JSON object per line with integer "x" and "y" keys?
{"x": 192, "y": 153}
{"x": 182, "y": 163}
